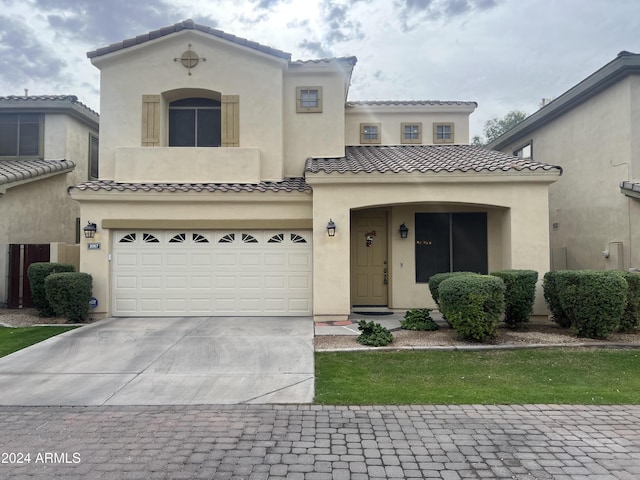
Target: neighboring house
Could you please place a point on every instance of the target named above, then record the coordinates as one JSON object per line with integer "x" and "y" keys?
{"x": 47, "y": 143}
{"x": 592, "y": 131}
{"x": 225, "y": 166}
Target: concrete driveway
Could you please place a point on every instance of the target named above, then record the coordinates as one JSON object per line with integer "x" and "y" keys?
{"x": 166, "y": 361}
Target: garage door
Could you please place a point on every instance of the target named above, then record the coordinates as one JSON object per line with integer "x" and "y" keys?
{"x": 203, "y": 273}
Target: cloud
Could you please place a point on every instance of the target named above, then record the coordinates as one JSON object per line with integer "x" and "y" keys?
{"x": 315, "y": 49}
{"x": 100, "y": 22}
{"x": 415, "y": 12}
{"x": 23, "y": 58}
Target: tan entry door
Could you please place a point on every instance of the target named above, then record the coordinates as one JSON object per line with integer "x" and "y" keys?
{"x": 369, "y": 257}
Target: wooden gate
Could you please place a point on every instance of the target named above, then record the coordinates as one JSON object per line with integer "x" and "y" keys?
{"x": 20, "y": 257}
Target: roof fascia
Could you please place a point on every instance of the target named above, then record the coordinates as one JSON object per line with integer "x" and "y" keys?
{"x": 74, "y": 110}
{"x": 624, "y": 64}
{"x": 408, "y": 108}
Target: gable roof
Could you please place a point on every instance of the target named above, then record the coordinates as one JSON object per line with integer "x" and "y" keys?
{"x": 12, "y": 171}
{"x": 424, "y": 159}
{"x": 68, "y": 104}
{"x": 625, "y": 63}
{"x": 187, "y": 25}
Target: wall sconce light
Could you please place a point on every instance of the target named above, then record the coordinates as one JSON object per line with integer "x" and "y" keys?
{"x": 331, "y": 228}
{"x": 404, "y": 231}
{"x": 90, "y": 230}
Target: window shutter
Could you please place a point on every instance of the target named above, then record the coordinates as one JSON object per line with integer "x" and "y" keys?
{"x": 230, "y": 121}
{"x": 151, "y": 120}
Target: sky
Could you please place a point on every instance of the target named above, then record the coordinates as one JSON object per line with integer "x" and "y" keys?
{"x": 503, "y": 54}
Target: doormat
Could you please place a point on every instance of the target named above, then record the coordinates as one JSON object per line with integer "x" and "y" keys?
{"x": 375, "y": 314}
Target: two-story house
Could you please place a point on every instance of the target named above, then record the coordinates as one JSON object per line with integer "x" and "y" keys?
{"x": 593, "y": 131}
{"x": 235, "y": 181}
{"x": 47, "y": 143}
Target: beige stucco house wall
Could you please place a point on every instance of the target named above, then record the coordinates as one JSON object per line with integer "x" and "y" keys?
{"x": 35, "y": 207}
{"x": 593, "y": 132}
{"x": 250, "y": 216}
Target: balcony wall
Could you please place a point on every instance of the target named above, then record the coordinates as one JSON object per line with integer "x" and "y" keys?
{"x": 187, "y": 165}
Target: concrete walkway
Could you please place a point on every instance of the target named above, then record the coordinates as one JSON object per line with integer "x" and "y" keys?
{"x": 305, "y": 442}
{"x": 166, "y": 361}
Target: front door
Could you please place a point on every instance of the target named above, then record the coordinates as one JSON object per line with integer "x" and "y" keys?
{"x": 369, "y": 273}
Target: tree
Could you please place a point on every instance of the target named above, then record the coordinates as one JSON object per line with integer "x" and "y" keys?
{"x": 497, "y": 126}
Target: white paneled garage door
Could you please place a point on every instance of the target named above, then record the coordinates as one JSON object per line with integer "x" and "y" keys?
{"x": 206, "y": 273}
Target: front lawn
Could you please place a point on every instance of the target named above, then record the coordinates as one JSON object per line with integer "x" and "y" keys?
{"x": 573, "y": 376}
{"x": 14, "y": 339}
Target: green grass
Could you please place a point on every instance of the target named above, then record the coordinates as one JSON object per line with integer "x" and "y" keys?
{"x": 14, "y": 339}
{"x": 570, "y": 376}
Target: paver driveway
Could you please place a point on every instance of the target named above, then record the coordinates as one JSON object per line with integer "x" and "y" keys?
{"x": 166, "y": 361}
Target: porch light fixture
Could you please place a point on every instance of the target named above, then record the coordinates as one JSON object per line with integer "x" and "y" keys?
{"x": 331, "y": 228}
{"x": 404, "y": 231}
{"x": 90, "y": 230}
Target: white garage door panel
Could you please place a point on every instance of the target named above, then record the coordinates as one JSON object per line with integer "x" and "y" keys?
{"x": 212, "y": 273}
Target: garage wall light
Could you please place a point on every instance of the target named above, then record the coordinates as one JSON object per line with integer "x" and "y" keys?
{"x": 404, "y": 231}
{"x": 90, "y": 230}
{"x": 331, "y": 228}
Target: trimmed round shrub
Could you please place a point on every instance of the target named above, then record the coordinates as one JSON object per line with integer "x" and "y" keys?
{"x": 552, "y": 298}
{"x": 438, "y": 278}
{"x": 69, "y": 294}
{"x": 594, "y": 301}
{"x": 519, "y": 295}
{"x": 473, "y": 305}
{"x": 418, "y": 319}
{"x": 631, "y": 317}
{"x": 37, "y": 273}
{"x": 373, "y": 334}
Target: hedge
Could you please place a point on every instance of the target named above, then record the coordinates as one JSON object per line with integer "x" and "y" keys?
{"x": 37, "y": 273}
{"x": 69, "y": 294}
{"x": 519, "y": 295}
{"x": 631, "y": 317}
{"x": 594, "y": 301}
{"x": 438, "y": 278}
{"x": 473, "y": 304}
{"x": 552, "y": 298}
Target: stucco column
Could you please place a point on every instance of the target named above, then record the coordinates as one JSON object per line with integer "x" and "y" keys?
{"x": 331, "y": 262}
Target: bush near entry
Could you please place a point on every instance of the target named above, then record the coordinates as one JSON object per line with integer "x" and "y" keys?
{"x": 519, "y": 295}
{"x": 69, "y": 294}
{"x": 373, "y": 334}
{"x": 37, "y": 273}
{"x": 418, "y": 319}
{"x": 593, "y": 301}
{"x": 438, "y": 278}
{"x": 552, "y": 298}
{"x": 631, "y": 318}
{"x": 473, "y": 304}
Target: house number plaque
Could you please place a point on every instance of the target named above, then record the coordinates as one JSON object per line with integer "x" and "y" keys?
{"x": 93, "y": 246}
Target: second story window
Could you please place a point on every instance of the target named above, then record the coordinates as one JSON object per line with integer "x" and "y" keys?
{"x": 370, "y": 133}
{"x": 411, "y": 133}
{"x": 309, "y": 99}
{"x": 194, "y": 122}
{"x": 20, "y": 135}
{"x": 93, "y": 156}
{"x": 443, "y": 133}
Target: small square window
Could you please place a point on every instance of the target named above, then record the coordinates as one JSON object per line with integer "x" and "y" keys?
{"x": 411, "y": 133}
{"x": 443, "y": 133}
{"x": 309, "y": 99}
{"x": 370, "y": 133}
{"x": 525, "y": 151}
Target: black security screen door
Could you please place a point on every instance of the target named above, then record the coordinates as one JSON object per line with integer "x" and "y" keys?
{"x": 450, "y": 242}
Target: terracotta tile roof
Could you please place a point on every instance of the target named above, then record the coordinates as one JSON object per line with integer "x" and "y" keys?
{"x": 18, "y": 170}
{"x": 292, "y": 184}
{"x": 423, "y": 159}
{"x": 347, "y": 60}
{"x": 407, "y": 103}
{"x": 187, "y": 25}
{"x": 44, "y": 101}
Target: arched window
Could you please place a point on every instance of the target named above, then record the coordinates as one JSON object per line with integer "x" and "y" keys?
{"x": 194, "y": 122}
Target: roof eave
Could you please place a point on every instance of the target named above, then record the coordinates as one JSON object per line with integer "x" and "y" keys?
{"x": 624, "y": 64}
